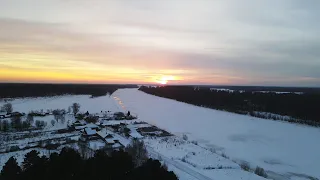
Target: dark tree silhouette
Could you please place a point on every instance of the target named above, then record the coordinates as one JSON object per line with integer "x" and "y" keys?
{"x": 7, "y": 107}
{"x": 68, "y": 165}
{"x": 302, "y": 108}
{"x": 11, "y": 170}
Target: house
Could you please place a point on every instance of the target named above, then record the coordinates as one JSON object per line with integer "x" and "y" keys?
{"x": 102, "y": 134}
{"x": 109, "y": 136}
{"x": 109, "y": 141}
{"x": 79, "y": 127}
{"x": 2, "y": 115}
{"x": 92, "y": 126}
{"x": 117, "y": 146}
{"x": 89, "y": 131}
{"x": 79, "y": 123}
{"x": 119, "y": 116}
{"x": 16, "y": 114}
{"x": 133, "y": 133}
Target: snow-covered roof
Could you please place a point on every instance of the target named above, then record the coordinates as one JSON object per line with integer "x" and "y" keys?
{"x": 83, "y": 122}
{"x": 110, "y": 141}
{"x": 102, "y": 134}
{"x": 90, "y": 131}
{"x": 79, "y": 127}
{"x": 135, "y": 134}
{"x": 91, "y": 125}
{"x": 117, "y": 145}
{"x": 108, "y": 123}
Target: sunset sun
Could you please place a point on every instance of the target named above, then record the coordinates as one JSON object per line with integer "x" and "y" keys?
{"x": 165, "y": 79}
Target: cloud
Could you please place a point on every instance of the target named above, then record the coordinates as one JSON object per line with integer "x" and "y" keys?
{"x": 247, "y": 42}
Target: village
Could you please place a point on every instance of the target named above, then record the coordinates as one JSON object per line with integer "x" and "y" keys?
{"x": 50, "y": 130}
{"x": 83, "y": 131}
{"x": 112, "y": 130}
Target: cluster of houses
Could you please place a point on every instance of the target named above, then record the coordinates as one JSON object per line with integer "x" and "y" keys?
{"x": 104, "y": 130}
{"x": 93, "y": 132}
{"x": 4, "y": 115}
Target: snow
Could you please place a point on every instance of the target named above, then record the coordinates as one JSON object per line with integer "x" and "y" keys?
{"x": 122, "y": 140}
{"x": 79, "y": 127}
{"x": 103, "y": 133}
{"x": 176, "y": 148}
{"x": 91, "y": 125}
{"x": 109, "y": 141}
{"x": 135, "y": 134}
{"x": 279, "y": 147}
{"x": 90, "y": 131}
{"x": 93, "y": 105}
{"x": 117, "y": 122}
{"x": 97, "y": 144}
{"x": 230, "y": 174}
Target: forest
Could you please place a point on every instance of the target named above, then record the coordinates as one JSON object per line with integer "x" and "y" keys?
{"x": 10, "y": 90}
{"x": 69, "y": 165}
{"x": 297, "y": 108}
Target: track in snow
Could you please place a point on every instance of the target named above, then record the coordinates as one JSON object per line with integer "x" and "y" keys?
{"x": 178, "y": 165}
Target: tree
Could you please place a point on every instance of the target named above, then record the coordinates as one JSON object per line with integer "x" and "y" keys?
{"x": 8, "y": 108}
{"x": 10, "y": 170}
{"x": 25, "y": 125}
{"x": 185, "y": 137}
{"x": 34, "y": 167}
{"x": 5, "y": 125}
{"x": 260, "y": 172}
{"x": 75, "y": 108}
{"x": 152, "y": 169}
{"x": 83, "y": 148}
{"x": 138, "y": 152}
{"x": 30, "y": 159}
{"x": 30, "y": 119}
{"x": 40, "y": 124}
{"x": 16, "y": 122}
{"x": 52, "y": 122}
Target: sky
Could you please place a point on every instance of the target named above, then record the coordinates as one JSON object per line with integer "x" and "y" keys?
{"x": 214, "y": 42}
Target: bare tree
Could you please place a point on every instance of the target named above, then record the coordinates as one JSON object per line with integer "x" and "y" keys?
{"x": 83, "y": 148}
{"x": 138, "y": 152}
{"x": 75, "y": 108}
{"x": 29, "y": 119}
{"x": 5, "y": 125}
{"x": 53, "y": 122}
{"x": 8, "y": 108}
{"x": 16, "y": 122}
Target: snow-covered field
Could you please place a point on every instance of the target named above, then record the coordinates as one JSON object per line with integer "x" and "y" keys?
{"x": 279, "y": 147}
{"x": 93, "y": 105}
{"x": 176, "y": 148}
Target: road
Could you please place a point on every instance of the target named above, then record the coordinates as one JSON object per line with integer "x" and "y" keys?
{"x": 178, "y": 165}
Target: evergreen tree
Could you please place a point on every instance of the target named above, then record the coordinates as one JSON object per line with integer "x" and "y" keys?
{"x": 10, "y": 170}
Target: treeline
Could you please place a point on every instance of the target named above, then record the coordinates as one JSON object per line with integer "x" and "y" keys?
{"x": 69, "y": 165}
{"x": 268, "y": 88}
{"x": 301, "y": 108}
{"x": 37, "y": 90}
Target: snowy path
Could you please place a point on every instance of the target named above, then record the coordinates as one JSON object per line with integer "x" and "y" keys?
{"x": 178, "y": 165}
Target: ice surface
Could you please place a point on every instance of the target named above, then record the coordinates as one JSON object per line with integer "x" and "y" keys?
{"x": 261, "y": 142}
